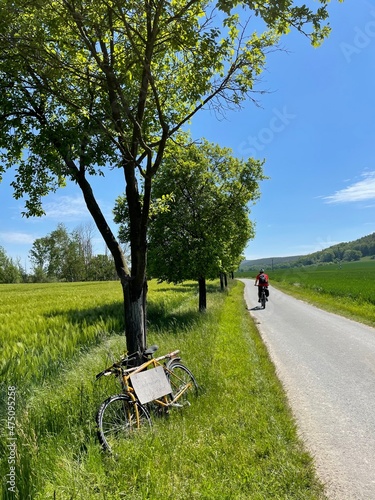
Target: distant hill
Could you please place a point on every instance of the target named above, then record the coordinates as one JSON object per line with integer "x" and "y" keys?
{"x": 349, "y": 251}
{"x": 268, "y": 262}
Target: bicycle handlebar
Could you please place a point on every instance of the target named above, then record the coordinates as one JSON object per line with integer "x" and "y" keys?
{"x": 172, "y": 354}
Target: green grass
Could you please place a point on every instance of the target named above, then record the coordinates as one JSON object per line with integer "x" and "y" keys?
{"x": 237, "y": 440}
{"x": 42, "y": 326}
{"x": 347, "y": 288}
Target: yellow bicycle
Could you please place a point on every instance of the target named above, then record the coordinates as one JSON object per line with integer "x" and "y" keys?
{"x": 158, "y": 384}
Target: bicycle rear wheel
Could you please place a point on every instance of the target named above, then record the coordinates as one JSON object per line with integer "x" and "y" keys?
{"x": 184, "y": 386}
{"x": 263, "y": 300}
{"x": 117, "y": 418}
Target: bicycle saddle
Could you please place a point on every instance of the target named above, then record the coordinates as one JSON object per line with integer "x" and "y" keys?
{"x": 150, "y": 351}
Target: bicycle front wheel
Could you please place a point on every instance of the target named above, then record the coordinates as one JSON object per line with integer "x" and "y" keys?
{"x": 184, "y": 386}
{"x": 117, "y": 418}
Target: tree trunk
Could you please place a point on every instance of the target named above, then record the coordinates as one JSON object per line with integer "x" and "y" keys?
{"x": 202, "y": 294}
{"x": 221, "y": 281}
{"x": 134, "y": 284}
{"x": 135, "y": 317}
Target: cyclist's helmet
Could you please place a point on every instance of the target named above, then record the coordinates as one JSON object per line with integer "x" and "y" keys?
{"x": 261, "y": 271}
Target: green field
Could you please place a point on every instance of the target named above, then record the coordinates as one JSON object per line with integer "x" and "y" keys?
{"x": 44, "y": 325}
{"x": 347, "y": 288}
{"x": 353, "y": 280}
{"x": 237, "y": 441}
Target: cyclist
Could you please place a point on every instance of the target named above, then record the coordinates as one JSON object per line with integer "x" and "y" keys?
{"x": 262, "y": 281}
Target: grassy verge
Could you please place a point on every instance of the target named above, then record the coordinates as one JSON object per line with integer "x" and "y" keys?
{"x": 237, "y": 441}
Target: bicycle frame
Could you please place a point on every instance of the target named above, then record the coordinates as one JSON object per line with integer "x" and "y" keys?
{"x": 153, "y": 363}
{"x": 165, "y": 381}
{"x": 124, "y": 375}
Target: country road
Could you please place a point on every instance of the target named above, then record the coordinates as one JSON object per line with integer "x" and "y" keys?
{"x": 327, "y": 366}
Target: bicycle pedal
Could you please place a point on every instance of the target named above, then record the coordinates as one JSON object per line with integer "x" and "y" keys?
{"x": 180, "y": 405}
{"x": 185, "y": 403}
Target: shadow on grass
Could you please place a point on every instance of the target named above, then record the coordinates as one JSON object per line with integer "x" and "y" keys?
{"x": 159, "y": 318}
{"x": 181, "y": 288}
{"x": 173, "y": 322}
{"x": 90, "y": 316}
{"x": 171, "y": 316}
{"x": 192, "y": 287}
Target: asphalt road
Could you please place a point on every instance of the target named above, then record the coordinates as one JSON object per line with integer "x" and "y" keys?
{"x": 327, "y": 366}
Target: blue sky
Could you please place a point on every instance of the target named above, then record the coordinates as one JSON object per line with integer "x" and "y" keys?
{"x": 315, "y": 128}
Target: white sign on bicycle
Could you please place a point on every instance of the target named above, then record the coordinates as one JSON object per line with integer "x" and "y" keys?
{"x": 151, "y": 384}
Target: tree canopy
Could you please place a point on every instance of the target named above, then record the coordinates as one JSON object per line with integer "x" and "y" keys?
{"x": 10, "y": 272}
{"x": 203, "y": 226}
{"x": 88, "y": 87}
{"x": 60, "y": 256}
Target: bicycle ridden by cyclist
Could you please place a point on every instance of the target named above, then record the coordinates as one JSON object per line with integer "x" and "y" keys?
{"x": 262, "y": 281}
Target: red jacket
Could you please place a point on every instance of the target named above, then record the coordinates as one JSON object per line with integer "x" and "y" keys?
{"x": 262, "y": 284}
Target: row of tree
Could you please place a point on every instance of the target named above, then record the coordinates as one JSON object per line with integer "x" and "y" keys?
{"x": 69, "y": 257}
{"x": 60, "y": 256}
{"x": 199, "y": 223}
{"x": 198, "y": 228}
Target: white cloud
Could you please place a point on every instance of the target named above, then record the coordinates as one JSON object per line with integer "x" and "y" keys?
{"x": 73, "y": 209}
{"x": 19, "y": 238}
{"x": 66, "y": 208}
{"x": 359, "y": 191}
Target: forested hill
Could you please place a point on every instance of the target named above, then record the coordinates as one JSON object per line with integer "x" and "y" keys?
{"x": 269, "y": 262}
{"x": 350, "y": 251}
{"x": 353, "y": 250}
